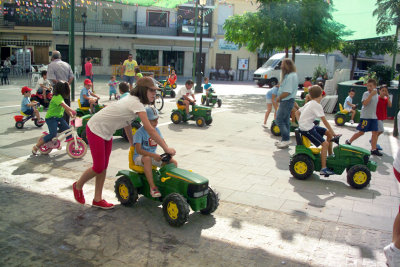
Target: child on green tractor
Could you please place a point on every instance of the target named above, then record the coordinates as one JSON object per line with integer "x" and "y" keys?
{"x": 183, "y": 96}
{"x": 349, "y": 106}
{"x": 87, "y": 97}
{"x": 306, "y": 116}
{"x": 368, "y": 120}
{"x": 145, "y": 149}
{"x": 207, "y": 86}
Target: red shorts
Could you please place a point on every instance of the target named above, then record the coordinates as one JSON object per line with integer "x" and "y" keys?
{"x": 100, "y": 149}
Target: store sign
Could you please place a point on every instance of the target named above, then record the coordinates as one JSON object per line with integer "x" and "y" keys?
{"x": 243, "y": 64}
{"x": 225, "y": 45}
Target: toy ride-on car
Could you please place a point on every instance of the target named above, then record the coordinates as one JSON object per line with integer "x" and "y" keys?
{"x": 355, "y": 160}
{"x": 120, "y": 132}
{"x": 180, "y": 189}
{"x": 167, "y": 89}
{"x": 21, "y": 119}
{"x": 82, "y": 111}
{"x": 343, "y": 116}
{"x": 202, "y": 115}
{"x": 211, "y": 99}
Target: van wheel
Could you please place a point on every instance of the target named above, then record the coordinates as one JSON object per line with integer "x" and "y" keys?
{"x": 260, "y": 84}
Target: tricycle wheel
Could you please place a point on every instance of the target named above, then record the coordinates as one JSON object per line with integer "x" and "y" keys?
{"x": 340, "y": 119}
{"x": 212, "y": 202}
{"x": 208, "y": 122}
{"x": 173, "y": 94}
{"x": 301, "y": 166}
{"x": 358, "y": 176}
{"x": 19, "y": 125}
{"x": 159, "y": 102}
{"x": 175, "y": 209}
{"x": 219, "y": 102}
{"x": 203, "y": 99}
{"x": 275, "y": 129}
{"x": 125, "y": 191}
{"x": 200, "y": 121}
{"x": 176, "y": 117}
{"x": 39, "y": 124}
{"x": 76, "y": 152}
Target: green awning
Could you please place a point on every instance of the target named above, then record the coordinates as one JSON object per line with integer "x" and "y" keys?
{"x": 356, "y": 15}
{"x": 158, "y": 3}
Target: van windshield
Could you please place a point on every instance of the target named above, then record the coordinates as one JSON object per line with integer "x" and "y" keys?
{"x": 271, "y": 63}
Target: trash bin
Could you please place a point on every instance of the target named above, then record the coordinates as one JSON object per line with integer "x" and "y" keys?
{"x": 343, "y": 92}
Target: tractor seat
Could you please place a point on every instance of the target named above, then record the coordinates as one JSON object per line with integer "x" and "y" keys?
{"x": 80, "y": 106}
{"x": 303, "y": 140}
{"x": 181, "y": 107}
{"x": 342, "y": 110}
{"x": 132, "y": 165}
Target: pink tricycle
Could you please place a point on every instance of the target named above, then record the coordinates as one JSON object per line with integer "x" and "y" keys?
{"x": 76, "y": 147}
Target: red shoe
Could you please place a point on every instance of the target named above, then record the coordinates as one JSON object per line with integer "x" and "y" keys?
{"x": 103, "y": 205}
{"x": 78, "y": 194}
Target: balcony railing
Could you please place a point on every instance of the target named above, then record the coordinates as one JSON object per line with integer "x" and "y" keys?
{"x": 97, "y": 26}
{"x": 152, "y": 30}
{"x": 190, "y": 29}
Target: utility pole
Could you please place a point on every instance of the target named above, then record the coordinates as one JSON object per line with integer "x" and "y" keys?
{"x": 196, "y": 16}
{"x": 71, "y": 50}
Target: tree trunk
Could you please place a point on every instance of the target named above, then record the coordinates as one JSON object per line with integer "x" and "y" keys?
{"x": 286, "y": 52}
{"x": 293, "y": 53}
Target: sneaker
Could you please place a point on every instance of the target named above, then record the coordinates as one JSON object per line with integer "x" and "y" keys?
{"x": 155, "y": 193}
{"x": 102, "y": 204}
{"x": 265, "y": 126}
{"x": 41, "y": 121}
{"x": 284, "y": 144}
{"x": 348, "y": 142}
{"x": 351, "y": 121}
{"x": 392, "y": 255}
{"x": 326, "y": 171}
{"x": 376, "y": 152}
{"x": 277, "y": 143}
{"x": 78, "y": 194}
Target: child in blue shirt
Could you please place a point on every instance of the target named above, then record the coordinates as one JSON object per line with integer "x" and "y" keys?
{"x": 113, "y": 87}
{"x": 28, "y": 107}
{"x": 145, "y": 150}
{"x": 349, "y": 106}
{"x": 87, "y": 97}
{"x": 271, "y": 101}
{"x": 207, "y": 86}
{"x": 123, "y": 89}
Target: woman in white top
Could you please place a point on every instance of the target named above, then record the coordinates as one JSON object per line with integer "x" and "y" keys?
{"x": 101, "y": 128}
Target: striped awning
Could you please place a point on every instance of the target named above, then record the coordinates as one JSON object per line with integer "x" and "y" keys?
{"x": 14, "y": 42}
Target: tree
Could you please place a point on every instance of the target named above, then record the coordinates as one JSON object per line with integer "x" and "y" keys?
{"x": 284, "y": 24}
{"x": 372, "y": 46}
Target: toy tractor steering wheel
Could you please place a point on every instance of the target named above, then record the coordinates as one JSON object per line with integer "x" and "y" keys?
{"x": 165, "y": 157}
{"x": 336, "y": 139}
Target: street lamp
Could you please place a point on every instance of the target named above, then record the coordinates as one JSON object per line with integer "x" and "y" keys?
{"x": 198, "y": 88}
{"x": 84, "y": 17}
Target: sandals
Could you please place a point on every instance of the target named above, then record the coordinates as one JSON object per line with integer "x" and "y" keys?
{"x": 35, "y": 150}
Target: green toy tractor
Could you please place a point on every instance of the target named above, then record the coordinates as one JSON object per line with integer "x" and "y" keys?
{"x": 355, "y": 160}
{"x": 180, "y": 189}
{"x": 120, "y": 132}
{"x": 343, "y": 116}
{"x": 202, "y": 115}
{"x": 82, "y": 111}
{"x": 211, "y": 99}
{"x": 167, "y": 89}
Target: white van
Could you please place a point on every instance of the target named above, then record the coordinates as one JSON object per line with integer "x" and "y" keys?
{"x": 270, "y": 72}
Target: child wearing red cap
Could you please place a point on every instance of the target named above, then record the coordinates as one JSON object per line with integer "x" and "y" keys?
{"x": 28, "y": 107}
{"x": 88, "y": 98}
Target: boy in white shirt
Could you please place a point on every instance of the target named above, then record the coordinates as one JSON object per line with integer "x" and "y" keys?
{"x": 183, "y": 96}
{"x": 349, "y": 106}
{"x": 306, "y": 116}
{"x": 44, "y": 85}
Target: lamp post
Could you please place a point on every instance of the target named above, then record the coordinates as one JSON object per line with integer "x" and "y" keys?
{"x": 84, "y": 17}
{"x": 198, "y": 88}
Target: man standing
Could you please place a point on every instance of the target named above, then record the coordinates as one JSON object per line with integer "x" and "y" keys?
{"x": 59, "y": 70}
{"x": 89, "y": 71}
{"x": 128, "y": 70}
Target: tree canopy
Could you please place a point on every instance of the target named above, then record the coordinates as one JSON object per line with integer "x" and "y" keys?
{"x": 284, "y": 24}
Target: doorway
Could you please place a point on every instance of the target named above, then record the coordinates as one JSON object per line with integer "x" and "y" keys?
{"x": 64, "y": 50}
{"x": 223, "y": 60}
{"x": 175, "y": 59}
{"x": 41, "y": 55}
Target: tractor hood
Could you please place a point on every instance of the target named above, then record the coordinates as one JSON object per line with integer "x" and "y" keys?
{"x": 197, "y": 108}
{"x": 184, "y": 175}
{"x": 355, "y": 149}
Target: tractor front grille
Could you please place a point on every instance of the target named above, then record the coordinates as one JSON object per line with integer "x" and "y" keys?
{"x": 197, "y": 190}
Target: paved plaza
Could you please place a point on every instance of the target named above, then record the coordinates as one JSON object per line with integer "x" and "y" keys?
{"x": 265, "y": 217}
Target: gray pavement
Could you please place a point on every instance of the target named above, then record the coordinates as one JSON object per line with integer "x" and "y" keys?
{"x": 266, "y": 217}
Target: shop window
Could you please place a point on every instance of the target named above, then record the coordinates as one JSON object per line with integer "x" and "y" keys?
{"x": 112, "y": 16}
{"x": 95, "y": 54}
{"x": 157, "y": 18}
{"x": 147, "y": 57}
{"x": 118, "y": 57}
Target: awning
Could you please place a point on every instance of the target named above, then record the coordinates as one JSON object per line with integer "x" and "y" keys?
{"x": 158, "y": 3}
{"x": 357, "y": 16}
{"x": 14, "y": 42}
